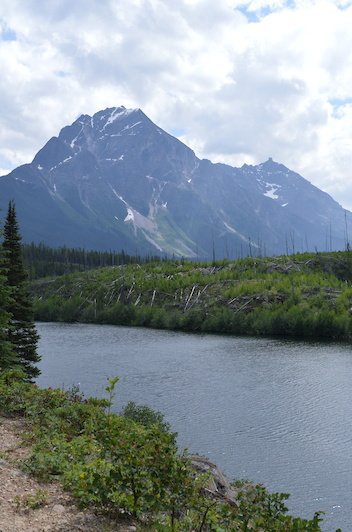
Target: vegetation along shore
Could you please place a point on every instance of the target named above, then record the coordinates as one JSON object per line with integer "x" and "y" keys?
{"x": 126, "y": 467}
{"x": 304, "y": 295}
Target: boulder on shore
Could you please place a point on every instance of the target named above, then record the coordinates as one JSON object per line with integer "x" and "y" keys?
{"x": 218, "y": 486}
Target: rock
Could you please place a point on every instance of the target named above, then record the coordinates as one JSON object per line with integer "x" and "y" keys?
{"x": 87, "y": 517}
{"x": 218, "y": 486}
{"x": 18, "y": 473}
{"x": 59, "y": 509}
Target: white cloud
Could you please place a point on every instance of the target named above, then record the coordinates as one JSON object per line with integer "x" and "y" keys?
{"x": 242, "y": 80}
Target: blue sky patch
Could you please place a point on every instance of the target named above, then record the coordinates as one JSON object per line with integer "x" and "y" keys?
{"x": 8, "y": 35}
{"x": 251, "y": 16}
{"x": 61, "y": 73}
{"x": 338, "y": 102}
{"x": 177, "y": 131}
{"x": 255, "y": 15}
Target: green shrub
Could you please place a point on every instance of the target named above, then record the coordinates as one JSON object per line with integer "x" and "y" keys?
{"x": 145, "y": 415}
{"x": 131, "y": 464}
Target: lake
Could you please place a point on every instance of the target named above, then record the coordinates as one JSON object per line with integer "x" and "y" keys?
{"x": 273, "y": 411}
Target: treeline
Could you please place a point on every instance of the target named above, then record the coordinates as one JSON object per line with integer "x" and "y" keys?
{"x": 44, "y": 261}
{"x": 305, "y": 296}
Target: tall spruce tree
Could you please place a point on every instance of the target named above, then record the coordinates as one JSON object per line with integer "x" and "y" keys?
{"x": 8, "y": 357}
{"x": 22, "y": 333}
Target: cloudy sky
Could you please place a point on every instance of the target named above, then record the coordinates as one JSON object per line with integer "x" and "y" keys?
{"x": 238, "y": 81}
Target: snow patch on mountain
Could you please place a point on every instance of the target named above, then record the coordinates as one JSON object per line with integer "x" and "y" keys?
{"x": 130, "y": 127}
{"x": 116, "y": 194}
{"x": 116, "y": 113}
{"x": 130, "y": 215}
{"x": 73, "y": 141}
{"x": 139, "y": 221}
{"x": 272, "y": 188}
{"x": 60, "y": 163}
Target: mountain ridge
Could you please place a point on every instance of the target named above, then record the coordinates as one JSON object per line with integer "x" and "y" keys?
{"x": 115, "y": 180}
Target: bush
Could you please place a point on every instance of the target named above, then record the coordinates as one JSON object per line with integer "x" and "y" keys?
{"x": 130, "y": 463}
{"x": 145, "y": 415}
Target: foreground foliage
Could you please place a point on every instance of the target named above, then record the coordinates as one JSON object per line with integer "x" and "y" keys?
{"x": 307, "y": 295}
{"x": 112, "y": 463}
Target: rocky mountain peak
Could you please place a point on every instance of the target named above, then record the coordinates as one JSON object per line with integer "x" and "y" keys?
{"x": 116, "y": 180}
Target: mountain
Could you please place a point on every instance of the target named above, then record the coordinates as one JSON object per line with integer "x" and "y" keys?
{"x": 117, "y": 181}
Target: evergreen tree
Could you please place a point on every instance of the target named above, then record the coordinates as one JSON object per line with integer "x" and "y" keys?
{"x": 8, "y": 358}
{"x": 22, "y": 333}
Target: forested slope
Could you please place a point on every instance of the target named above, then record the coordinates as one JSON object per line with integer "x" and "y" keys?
{"x": 306, "y": 295}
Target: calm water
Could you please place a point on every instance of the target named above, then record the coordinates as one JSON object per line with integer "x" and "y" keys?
{"x": 276, "y": 412}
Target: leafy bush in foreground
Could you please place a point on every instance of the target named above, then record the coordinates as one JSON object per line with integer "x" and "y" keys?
{"x": 118, "y": 465}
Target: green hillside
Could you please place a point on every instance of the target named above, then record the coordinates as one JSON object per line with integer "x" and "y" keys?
{"x": 306, "y": 295}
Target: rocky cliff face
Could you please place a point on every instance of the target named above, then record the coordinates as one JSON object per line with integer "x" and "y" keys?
{"x": 116, "y": 180}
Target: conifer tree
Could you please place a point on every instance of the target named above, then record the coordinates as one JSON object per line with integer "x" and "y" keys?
{"x": 8, "y": 358}
{"x": 22, "y": 333}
